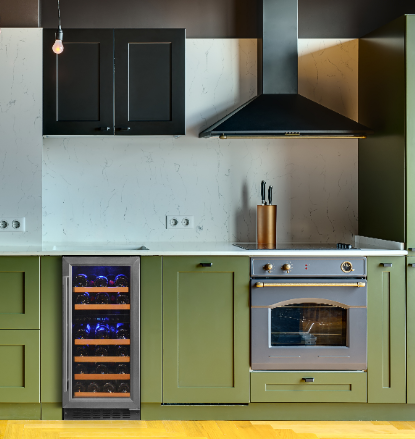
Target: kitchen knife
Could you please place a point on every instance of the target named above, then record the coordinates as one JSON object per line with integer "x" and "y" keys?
{"x": 270, "y": 195}
{"x": 263, "y": 183}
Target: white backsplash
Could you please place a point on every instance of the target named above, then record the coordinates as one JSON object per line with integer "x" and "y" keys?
{"x": 106, "y": 189}
{"x": 21, "y": 132}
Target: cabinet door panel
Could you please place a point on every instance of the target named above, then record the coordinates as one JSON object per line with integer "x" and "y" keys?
{"x": 386, "y": 330}
{"x": 19, "y": 293}
{"x": 19, "y": 366}
{"x": 78, "y": 83}
{"x": 150, "y": 81}
{"x": 206, "y": 330}
{"x": 410, "y": 310}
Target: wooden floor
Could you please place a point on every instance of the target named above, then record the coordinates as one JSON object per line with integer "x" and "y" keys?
{"x": 205, "y": 429}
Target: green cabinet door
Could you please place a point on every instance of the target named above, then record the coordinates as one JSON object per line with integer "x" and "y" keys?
{"x": 205, "y": 330}
{"x": 19, "y": 366}
{"x": 410, "y": 313}
{"x": 386, "y": 330}
{"x": 19, "y": 292}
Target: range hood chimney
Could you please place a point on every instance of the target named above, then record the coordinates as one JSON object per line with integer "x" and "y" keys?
{"x": 279, "y": 111}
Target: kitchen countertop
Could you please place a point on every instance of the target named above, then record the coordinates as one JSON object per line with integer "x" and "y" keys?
{"x": 366, "y": 248}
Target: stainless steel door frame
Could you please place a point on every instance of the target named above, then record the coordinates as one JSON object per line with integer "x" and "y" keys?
{"x": 267, "y": 357}
{"x": 127, "y": 403}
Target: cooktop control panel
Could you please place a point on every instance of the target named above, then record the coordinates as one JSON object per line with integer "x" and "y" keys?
{"x": 308, "y": 267}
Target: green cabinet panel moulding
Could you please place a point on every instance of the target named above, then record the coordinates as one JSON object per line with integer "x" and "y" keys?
{"x": 206, "y": 330}
{"x": 19, "y": 292}
{"x": 410, "y": 313}
{"x": 19, "y": 366}
{"x": 386, "y": 330}
{"x": 151, "y": 329}
{"x": 51, "y": 329}
{"x": 20, "y": 411}
{"x": 291, "y": 387}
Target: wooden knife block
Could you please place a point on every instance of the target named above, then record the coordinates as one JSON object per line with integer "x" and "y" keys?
{"x": 266, "y": 226}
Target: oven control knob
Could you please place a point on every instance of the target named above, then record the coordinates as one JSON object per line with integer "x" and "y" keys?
{"x": 346, "y": 267}
{"x": 268, "y": 267}
{"x": 286, "y": 267}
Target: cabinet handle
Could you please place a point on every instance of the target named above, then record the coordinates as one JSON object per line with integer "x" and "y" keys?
{"x": 411, "y": 249}
{"x": 123, "y": 128}
{"x": 66, "y": 319}
{"x": 412, "y": 265}
{"x": 206, "y": 264}
{"x": 104, "y": 129}
{"x": 386, "y": 265}
{"x": 308, "y": 380}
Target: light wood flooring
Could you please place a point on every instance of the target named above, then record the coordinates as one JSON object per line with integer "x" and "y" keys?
{"x": 206, "y": 429}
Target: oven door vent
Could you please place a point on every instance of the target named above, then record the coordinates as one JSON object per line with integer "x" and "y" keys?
{"x": 100, "y": 414}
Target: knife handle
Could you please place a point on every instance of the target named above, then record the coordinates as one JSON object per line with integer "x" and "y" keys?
{"x": 263, "y": 183}
{"x": 270, "y": 195}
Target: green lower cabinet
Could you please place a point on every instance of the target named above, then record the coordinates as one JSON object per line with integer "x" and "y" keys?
{"x": 319, "y": 387}
{"x": 386, "y": 341}
{"x": 19, "y": 292}
{"x": 410, "y": 309}
{"x": 19, "y": 366}
{"x": 206, "y": 330}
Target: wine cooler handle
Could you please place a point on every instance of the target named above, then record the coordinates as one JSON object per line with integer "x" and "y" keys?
{"x": 65, "y": 350}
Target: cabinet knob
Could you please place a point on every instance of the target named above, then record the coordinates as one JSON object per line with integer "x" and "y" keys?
{"x": 104, "y": 128}
{"x": 206, "y": 264}
{"x": 386, "y": 265}
{"x": 308, "y": 380}
{"x": 123, "y": 128}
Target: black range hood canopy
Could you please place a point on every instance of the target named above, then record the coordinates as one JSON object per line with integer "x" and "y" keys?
{"x": 279, "y": 111}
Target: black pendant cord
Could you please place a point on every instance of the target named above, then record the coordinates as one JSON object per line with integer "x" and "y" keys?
{"x": 59, "y": 34}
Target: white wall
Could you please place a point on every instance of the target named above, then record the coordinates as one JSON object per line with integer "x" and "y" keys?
{"x": 120, "y": 189}
{"x": 21, "y": 132}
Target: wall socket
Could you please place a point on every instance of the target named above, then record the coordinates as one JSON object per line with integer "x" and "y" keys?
{"x": 12, "y": 224}
{"x": 180, "y": 222}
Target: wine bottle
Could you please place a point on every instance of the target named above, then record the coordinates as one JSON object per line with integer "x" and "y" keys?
{"x": 121, "y": 368}
{"x": 101, "y": 281}
{"x": 93, "y": 387}
{"x": 80, "y": 280}
{"x": 82, "y": 331}
{"x": 121, "y": 280}
{"x": 101, "y": 351}
{"x": 82, "y": 351}
{"x": 122, "y": 298}
{"x": 101, "y": 368}
{"x": 102, "y": 298}
{"x": 81, "y": 368}
{"x": 83, "y": 298}
{"x": 79, "y": 387}
{"x": 122, "y": 351}
{"x": 102, "y": 330}
{"x": 122, "y": 331}
{"x": 123, "y": 387}
{"x": 108, "y": 387}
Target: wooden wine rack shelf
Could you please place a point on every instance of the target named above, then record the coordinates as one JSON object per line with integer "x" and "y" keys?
{"x": 102, "y": 359}
{"x": 101, "y": 289}
{"x": 102, "y": 376}
{"x": 102, "y": 341}
{"x": 98, "y": 307}
{"x": 100, "y": 395}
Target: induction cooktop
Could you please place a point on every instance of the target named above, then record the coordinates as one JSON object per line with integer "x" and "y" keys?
{"x": 295, "y": 246}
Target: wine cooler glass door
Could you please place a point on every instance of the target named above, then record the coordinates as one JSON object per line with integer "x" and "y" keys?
{"x": 102, "y": 333}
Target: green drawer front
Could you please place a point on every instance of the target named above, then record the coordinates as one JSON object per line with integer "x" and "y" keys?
{"x": 291, "y": 387}
{"x": 19, "y": 292}
{"x": 19, "y": 366}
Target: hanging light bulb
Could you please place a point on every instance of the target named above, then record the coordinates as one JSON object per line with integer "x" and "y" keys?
{"x": 58, "y": 46}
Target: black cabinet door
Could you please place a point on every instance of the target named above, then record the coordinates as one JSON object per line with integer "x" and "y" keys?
{"x": 78, "y": 83}
{"x": 149, "y": 81}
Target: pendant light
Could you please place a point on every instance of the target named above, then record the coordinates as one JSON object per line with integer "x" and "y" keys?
{"x": 58, "y": 46}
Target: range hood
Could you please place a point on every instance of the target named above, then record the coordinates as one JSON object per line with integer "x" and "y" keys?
{"x": 279, "y": 111}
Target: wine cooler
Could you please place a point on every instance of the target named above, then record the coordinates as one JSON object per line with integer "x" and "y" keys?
{"x": 101, "y": 338}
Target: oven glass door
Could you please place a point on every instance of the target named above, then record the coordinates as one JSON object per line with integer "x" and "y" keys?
{"x": 308, "y": 324}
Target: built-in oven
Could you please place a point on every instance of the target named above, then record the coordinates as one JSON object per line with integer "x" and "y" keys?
{"x": 308, "y": 314}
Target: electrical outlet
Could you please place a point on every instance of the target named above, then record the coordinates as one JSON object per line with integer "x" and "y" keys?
{"x": 12, "y": 224}
{"x": 180, "y": 222}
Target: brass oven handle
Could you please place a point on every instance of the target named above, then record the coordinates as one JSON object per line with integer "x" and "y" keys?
{"x": 354, "y": 284}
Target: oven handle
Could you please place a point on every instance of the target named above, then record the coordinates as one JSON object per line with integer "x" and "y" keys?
{"x": 310, "y": 284}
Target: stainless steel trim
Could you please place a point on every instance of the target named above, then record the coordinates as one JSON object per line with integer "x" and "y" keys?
{"x": 65, "y": 352}
{"x": 311, "y": 284}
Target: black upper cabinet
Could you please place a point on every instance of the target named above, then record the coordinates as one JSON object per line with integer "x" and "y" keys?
{"x": 123, "y": 82}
